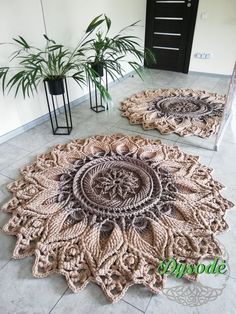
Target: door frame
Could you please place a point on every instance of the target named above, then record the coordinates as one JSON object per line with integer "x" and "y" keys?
{"x": 191, "y": 35}
{"x": 150, "y": 22}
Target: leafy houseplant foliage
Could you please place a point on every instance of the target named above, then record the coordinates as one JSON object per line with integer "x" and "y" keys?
{"x": 55, "y": 61}
{"x": 111, "y": 51}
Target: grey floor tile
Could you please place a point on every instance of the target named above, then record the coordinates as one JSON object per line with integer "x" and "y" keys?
{"x": 22, "y": 293}
{"x": 5, "y": 196}
{"x": 81, "y": 111}
{"x": 91, "y": 300}
{"x": 206, "y": 83}
{"x": 204, "y": 154}
{"x": 182, "y": 298}
{"x": 10, "y": 153}
{"x": 230, "y": 194}
{"x": 228, "y": 243}
{"x": 138, "y": 296}
{"x": 197, "y": 142}
{"x": 223, "y": 163}
{"x": 13, "y": 171}
{"x": 161, "y": 305}
{"x": 224, "y": 303}
{"x": 166, "y": 141}
{"x": 4, "y": 193}
{"x": 124, "y": 124}
{"x": 34, "y": 138}
{"x": 86, "y": 129}
{"x": 106, "y": 118}
{"x": 6, "y": 242}
{"x": 222, "y": 86}
{"x": 229, "y": 134}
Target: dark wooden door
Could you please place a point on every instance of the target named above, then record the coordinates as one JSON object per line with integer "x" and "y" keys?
{"x": 169, "y": 32}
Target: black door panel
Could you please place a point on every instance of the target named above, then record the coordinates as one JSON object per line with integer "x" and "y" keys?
{"x": 169, "y": 32}
{"x": 167, "y": 40}
{"x": 169, "y": 10}
{"x": 169, "y": 26}
{"x": 169, "y": 59}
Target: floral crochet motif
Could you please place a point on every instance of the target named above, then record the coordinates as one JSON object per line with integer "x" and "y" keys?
{"x": 181, "y": 111}
{"x": 108, "y": 209}
{"x": 116, "y": 183}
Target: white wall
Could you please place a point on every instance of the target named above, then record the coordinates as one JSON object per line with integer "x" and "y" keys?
{"x": 65, "y": 22}
{"x": 217, "y": 35}
{"x": 19, "y": 18}
{"x": 72, "y": 17}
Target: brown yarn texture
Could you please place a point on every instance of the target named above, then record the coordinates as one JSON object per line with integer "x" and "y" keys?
{"x": 108, "y": 209}
{"x": 182, "y": 111}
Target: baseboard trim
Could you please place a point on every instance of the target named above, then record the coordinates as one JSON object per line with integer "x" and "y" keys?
{"x": 6, "y": 137}
{"x": 30, "y": 125}
{"x": 210, "y": 74}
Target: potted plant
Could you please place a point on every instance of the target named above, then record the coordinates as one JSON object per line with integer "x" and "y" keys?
{"x": 52, "y": 64}
{"x": 108, "y": 52}
{"x": 55, "y": 62}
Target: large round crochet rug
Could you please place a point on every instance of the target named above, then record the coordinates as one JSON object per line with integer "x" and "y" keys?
{"x": 108, "y": 209}
{"x": 181, "y": 111}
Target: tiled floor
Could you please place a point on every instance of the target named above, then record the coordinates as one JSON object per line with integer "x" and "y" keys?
{"x": 20, "y": 293}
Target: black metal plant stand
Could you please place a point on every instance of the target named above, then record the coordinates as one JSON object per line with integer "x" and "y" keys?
{"x": 96, "y": 101}
{"x": 54, "y": 88}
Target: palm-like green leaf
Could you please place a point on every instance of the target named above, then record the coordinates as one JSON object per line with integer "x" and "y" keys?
{"x": 56, "y": 61}
{"x": 95, "y": 23}
{"x": 22, "y": 42}
{"x": 3, "y": 75}
{"x": 108, "y": 23}
{"x": 48, "y": 39}
{"x": 110, "y": 51}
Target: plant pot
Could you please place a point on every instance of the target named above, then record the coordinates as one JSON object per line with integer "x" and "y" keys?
{"x": 56, "y": 87}
{"x": 98, "y": 68}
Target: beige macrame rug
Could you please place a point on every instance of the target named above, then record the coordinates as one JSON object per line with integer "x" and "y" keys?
{"x": 108, "y": 209}
{"x": 181, "y": 111}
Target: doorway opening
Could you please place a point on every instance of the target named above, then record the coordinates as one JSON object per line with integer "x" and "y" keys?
{"x": 169, "y": 32}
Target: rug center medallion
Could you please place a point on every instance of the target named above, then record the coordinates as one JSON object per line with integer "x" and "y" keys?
{"x": 116, "y": 186}
{"x": 183, "y": 106}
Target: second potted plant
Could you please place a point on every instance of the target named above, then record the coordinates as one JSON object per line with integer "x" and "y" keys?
{"x": 109, "y": 53}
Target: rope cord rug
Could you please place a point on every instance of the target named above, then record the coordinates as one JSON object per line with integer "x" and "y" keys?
{"x": 181, "y": 111}
{"x": 108, "y": 209}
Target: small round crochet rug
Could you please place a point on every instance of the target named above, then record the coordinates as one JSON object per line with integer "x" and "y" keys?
{"x": 181, "y": 111}
{"x": 108, "y": 209}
